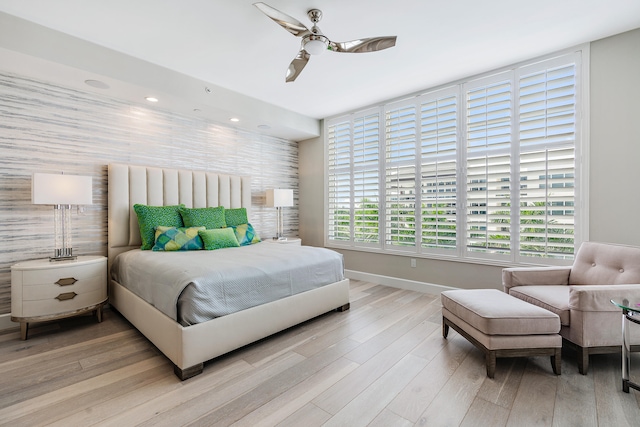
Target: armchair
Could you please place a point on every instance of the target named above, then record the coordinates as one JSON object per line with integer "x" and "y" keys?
{"x": 581, "y": 294}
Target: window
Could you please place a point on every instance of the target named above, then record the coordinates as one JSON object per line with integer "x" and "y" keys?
{"x": 354, "y": 195}
{"x": 438, "y": 164}
{"x": 400, "y": 177}
{"x": 488, "y": 111}
{"x": 548, "y": 122}
{"x": 484, "y": 169}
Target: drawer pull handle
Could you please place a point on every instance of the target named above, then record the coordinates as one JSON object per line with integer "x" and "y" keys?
{"x": 66, "y": 281}
{"x": 66, "y": 296}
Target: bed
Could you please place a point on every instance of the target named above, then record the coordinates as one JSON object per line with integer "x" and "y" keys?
{"x": 188, "y": 347}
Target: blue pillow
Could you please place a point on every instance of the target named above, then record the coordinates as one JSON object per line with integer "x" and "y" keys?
{"x": 245, "y": 234}
{"x": 178, "y": 239}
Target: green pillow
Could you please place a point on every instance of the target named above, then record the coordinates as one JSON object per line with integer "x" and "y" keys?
{"x": 245, "y": 234}
{"x": 219, "y": 238}
{"x": 203, "y": 217}
{"x": 149, "y": 217}
{"x": 178, "y": 239}
{"x": 235, "y": 216}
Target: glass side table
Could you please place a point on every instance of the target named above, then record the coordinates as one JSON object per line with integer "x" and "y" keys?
{"x": 630, "y": 314}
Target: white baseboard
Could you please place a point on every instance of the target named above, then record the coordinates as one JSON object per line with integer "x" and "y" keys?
{"x": 6, "y": 323}
{"x": 411, "y": 285}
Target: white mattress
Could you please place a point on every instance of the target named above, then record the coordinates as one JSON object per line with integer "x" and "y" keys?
{"x": 195, "y": 286}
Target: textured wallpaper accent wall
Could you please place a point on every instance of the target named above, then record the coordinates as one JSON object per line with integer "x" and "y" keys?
{"x": 52, "y": 129}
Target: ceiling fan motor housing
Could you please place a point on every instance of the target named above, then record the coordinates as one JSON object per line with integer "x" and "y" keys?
{"x": 315, "y": 44}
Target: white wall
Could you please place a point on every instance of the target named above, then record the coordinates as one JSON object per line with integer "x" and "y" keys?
{"x": 311, "y": 207}
{"x": 615, "y": 139}
{"x": 614, "y": 174}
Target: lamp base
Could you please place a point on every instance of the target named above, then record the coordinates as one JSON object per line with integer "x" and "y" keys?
{"x": 63, "y": 249}
{"x": 62, "y": 254}
{"x": 62, "y": 258}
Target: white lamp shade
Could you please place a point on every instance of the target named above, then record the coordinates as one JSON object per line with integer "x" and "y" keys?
{"x": 279, "y": 197}
{"x": 58, "y": 189}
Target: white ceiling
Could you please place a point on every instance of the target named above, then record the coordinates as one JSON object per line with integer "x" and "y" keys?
{"x": 231, "y": 44}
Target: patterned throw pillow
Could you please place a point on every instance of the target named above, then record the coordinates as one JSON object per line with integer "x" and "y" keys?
{"x": 203, "y": 217}
{"x": 178, "y": 239}
{"x": 149, "y": 217}
{"x": 219, "y": 238}
{"x": 235, "y": 217}
{"x": 245, "y": 234}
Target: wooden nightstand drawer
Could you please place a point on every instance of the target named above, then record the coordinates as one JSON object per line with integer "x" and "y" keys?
{"x": 47, "y": 291}
{"x": 58, "y": 304}
{"x": 62, "y": 276}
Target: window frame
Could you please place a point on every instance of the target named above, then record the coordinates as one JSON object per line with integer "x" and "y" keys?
{"x": 580, "y": 56}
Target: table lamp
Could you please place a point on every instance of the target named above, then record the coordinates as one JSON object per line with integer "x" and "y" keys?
{"x": 61, "y": 191}
{"x": 279, "y": 198}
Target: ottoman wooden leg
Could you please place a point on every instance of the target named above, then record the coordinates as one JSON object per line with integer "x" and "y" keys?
{"x": 490, "y": 358}
{"x": 445, "y": 327}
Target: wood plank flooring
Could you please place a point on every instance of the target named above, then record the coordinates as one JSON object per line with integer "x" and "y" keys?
{"x": 381, "y": 363}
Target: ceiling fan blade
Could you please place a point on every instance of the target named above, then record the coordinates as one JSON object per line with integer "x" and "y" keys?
{"x": 287, "y": 22}
{"x": 371, "y": 44}
{"x": 297, "y": 65}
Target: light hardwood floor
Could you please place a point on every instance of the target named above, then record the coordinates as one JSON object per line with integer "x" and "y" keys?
{"x": 382, "y": 363}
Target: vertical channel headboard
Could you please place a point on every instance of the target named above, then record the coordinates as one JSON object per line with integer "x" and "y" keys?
{"x": 131, "y": 184}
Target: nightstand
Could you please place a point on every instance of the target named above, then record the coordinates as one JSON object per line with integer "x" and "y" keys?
{"x": 289, "y": 241}
{"x": 42, "y": 290}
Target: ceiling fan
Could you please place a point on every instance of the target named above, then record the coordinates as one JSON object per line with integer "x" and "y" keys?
{"x": 314, "y": 42}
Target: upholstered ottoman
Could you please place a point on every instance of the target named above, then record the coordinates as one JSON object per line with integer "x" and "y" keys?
{"x": 502, "y": 326}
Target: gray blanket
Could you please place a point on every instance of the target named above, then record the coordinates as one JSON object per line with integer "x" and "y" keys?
{"x": 195, "y": 286}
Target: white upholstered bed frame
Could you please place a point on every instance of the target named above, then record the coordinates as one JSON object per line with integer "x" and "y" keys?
{"x": 188, "y": 347}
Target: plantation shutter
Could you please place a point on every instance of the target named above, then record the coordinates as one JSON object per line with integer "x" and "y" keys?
{"x": 400, "y": 176}
{"x": 485, "y": 169}
{"x": 547, "y": 117}
{"x": 366, "y": 186}
{"x": 339, "y": 188}
{"x": 353, "y": 146}
{"x": 438, "y": 169}
{"x": 488, "y": 161}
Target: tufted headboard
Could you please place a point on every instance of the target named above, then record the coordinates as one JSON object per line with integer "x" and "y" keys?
{"x": 131, "y": 184}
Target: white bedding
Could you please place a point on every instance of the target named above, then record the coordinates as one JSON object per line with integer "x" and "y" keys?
{"x": 195, "y": 286}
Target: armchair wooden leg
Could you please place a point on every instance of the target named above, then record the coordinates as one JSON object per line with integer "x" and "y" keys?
{"x": 583, "y": 360}
{"x": 556, "y": 362}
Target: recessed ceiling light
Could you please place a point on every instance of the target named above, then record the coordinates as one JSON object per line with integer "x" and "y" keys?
{"x": 234, "y": 119}
{"x": 151, "y": 99}
{"x": 196, "y": 110}
{"x": 264, "y": 127}
{"x": 97, "y": 84}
